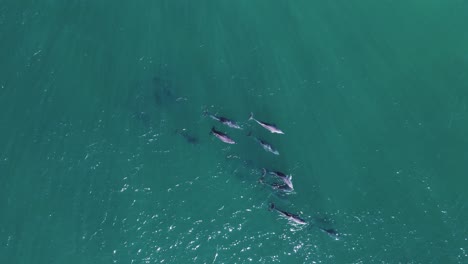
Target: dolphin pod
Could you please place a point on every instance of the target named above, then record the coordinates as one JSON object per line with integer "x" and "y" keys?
{"x": 277, "y": 181}
{"x": 165, "y": 97}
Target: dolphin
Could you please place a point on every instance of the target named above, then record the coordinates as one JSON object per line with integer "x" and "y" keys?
{"x": 283, "y": 188}
{"x": 321, "y": 224}
{"x": 162, "y": 91}
{"x": 291, "y": 217}
{"x": 285, "y": 178}
{"x": 266, "y": 146}
{"x": 270, "y": 127}
{"x": 228, "y": 122}
{"x": 221, "y": 136}
{"x": 188, "y": 137}
{"x": 331, "y": 232}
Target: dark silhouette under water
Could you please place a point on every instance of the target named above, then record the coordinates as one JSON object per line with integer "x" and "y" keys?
{"x": 187, "y": 136}
{"x": 163, "y": 92}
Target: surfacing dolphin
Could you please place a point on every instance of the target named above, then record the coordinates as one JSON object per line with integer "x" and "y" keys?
{"x": 266, "y": 146}
{"x": 291, "y": 217}
{"x": 226, "y": 121}
{"x": 280, "y": 188}
{"x": 221, "y": 136}
{"x": 298, "y": 220}
{"x": 270, "y": 127}
{"x": 285, "y": 178}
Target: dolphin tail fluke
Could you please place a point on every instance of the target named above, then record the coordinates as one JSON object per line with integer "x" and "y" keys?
{"x": 212, "y": 130}
{"x": 264, "y": 172}
{"x": 249, "y": 134}
{"x": 251, "y": 117}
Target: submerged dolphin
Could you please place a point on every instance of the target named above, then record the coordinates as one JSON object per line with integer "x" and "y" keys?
{"x": 162, "y": 91}
{"x": 188, "y": 137}
{"x": 221, "y": 136}
{"x": 266, "y": 146}
{"x": 228, "y": 122}
{"x": 291, "y": 217}
{"x": 270, "y": 127}
{"x": 331, "y": 232}
{"x": 285, "y": 178}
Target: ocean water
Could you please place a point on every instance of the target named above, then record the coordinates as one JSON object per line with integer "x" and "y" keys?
{"x": 106, "y": 157}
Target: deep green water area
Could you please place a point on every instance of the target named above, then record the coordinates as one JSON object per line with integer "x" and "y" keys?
{"x": 106, "y": 156}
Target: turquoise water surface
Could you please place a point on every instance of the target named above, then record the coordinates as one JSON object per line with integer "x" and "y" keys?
{"x": 106, "y": 156}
